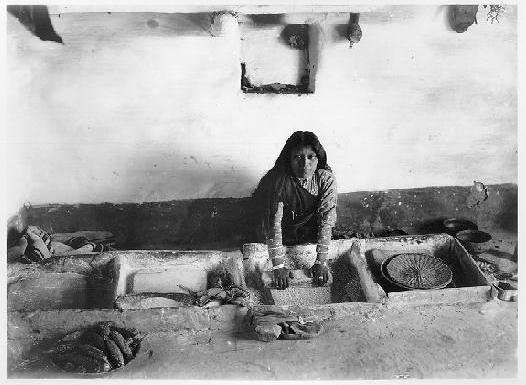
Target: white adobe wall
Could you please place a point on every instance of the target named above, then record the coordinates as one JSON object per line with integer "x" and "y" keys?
{"x": 147, "y": 107}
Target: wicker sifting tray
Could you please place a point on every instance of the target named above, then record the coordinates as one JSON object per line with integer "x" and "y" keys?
{"x": 418, "y": 271}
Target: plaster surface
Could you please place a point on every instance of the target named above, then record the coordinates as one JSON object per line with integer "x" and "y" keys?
{"x": 145, "y": 106}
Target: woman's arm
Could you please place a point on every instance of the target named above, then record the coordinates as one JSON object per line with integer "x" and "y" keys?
{"x": 276, "y": 250}
{"x": 326, "y": 217}
{"x": 326, "y": 214}
{"x": 273, "y": 234}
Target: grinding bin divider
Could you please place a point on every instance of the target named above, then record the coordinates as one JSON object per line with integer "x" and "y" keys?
{"x": 372, "y": 291}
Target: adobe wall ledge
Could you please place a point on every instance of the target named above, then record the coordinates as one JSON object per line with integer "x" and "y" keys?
{"x": 229, "y": 222}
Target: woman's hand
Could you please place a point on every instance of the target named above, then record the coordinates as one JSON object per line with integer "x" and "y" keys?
{"x": 281, "y": 278}
{"x": 320, "y": 273}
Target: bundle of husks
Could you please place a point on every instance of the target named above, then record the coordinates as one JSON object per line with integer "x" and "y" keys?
{"x": 216, "y": 296}
{"x": 31, "y": 245}
{"x": 89, "y": 241}
{"x": 278, "y": 323}
{"x": 97, "y": 350}
{"x": 34, "y": 245}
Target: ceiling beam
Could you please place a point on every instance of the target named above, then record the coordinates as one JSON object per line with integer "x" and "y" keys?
{"x": 245, "y": 9}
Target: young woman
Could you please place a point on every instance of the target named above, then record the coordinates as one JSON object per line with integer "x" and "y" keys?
{"x": 297, "y": 202}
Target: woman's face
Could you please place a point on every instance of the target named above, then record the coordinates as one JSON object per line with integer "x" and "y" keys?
{"x": 303, "y": 161}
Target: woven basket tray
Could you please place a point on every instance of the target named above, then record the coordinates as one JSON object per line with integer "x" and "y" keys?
{"x": 418, "y": 271}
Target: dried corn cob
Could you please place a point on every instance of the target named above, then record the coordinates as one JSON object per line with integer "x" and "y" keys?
{"x": 114, "y": 354}
{"x": 94, "y": 339}
{"x": 213, "y": 291}
{"x": 119, "y": 341}
{"x": 64, "y": 347}
{"x": 82, "y": 363}
{"x": 92, "y": 351}
{"x": 132, "y": 343}
{"x": 104, "y": 330}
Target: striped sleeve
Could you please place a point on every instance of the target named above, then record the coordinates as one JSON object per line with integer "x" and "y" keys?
{"x": 276, "y": 250}
{"x": 326, "y": 212}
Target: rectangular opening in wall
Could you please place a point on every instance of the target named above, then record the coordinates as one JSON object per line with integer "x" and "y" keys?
{"x": 275, "y": 58}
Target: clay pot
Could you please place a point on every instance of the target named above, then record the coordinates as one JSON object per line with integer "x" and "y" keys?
{"x": 506, "y": 291}
{"x": 454, "y": 225}
{"x": 475, "y": 241}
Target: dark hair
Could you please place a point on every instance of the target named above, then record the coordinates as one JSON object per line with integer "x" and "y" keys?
{"x": 282, "y": 165}
{"x": 297, "y": 139}
{"x": 271, "y": 183}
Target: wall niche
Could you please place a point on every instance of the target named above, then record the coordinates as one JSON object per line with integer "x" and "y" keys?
{"x": 275, "y": 57}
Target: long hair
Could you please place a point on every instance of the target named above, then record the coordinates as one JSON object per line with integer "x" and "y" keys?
{"x": 282, "y": 164}
{"x": 271, "y": 184}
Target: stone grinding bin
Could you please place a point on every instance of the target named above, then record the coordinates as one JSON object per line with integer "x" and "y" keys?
{"x": 355, "y": 266}
{"x": 77, "y": 293}
{"x": 171, "y": 273}
{"x": 468, "y": 283}
{"x": 344, "y": 285}
{"x": 84, "y": 281}
{"x": 97, "y": 280}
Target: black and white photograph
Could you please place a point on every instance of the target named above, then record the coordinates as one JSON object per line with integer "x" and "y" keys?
{"x": 261, "y": 191}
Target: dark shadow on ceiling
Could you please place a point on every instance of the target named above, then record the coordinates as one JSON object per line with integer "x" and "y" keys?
{"x": 267, "y": 19}
{"x": 181, "y": 24}
{"x": 36, "y": 19}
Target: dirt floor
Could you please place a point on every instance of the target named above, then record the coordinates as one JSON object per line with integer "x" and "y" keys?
{"x": 397, "y": 342}
{"x": 381, "y": 347}
{"x": 453, "y": 341}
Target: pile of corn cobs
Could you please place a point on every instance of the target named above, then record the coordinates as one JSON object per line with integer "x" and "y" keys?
{"x": 221, "y": 291}
{"x": 97, "y": 350}
{"x": 216, "y": 296}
